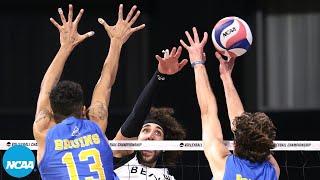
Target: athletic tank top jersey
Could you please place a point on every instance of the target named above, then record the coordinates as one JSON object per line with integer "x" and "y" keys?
{"x": 76, "y": 149}
{"x": 133, "y": 170}
{"x": 241, "y": 169}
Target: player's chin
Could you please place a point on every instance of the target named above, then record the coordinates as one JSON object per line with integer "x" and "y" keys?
{"x": 149, "y": 156}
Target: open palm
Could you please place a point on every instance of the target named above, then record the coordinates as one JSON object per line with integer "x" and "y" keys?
{"x": 69, "y": 29}
{"x": 169, "y": 64}
{"x": 122, "y": 30}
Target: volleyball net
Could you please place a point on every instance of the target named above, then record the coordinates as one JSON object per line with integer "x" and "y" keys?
{"x": 297, "y": 159}
{"x": 174, "y": 145}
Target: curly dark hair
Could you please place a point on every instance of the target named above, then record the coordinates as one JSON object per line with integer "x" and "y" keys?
{"x": 253, "y": 136}
{"x": 173, "y": 131}
{"x": 66, "y": 99}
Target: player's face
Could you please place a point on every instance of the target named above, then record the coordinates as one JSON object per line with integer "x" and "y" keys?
{"x": 153, "y": 132}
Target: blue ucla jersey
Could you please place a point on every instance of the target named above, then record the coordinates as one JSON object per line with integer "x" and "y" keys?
{"x": 241, "y": 169}
{"x": 76, "y": 149}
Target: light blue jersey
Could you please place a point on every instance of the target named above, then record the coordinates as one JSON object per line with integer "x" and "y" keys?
{"x": 76, "y": 149}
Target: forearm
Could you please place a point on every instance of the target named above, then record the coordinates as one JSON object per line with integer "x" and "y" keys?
{"x": 52, "y": 75}
{"x": 234, "y": 104}
{"x": 205, "y": 96}
{"x": 210, "y": 123}
{"x": 50, "y": 79}
{"x": 133, "y": 123}
{"x": 108, "y": 74}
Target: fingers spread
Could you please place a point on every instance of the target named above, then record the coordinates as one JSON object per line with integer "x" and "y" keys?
{"x": 70, "y": 15}
{"x": 63, "y": 19}
{"x": 205, "y": 38}
{"x": 178, "y": 53}
{"x": 159, "y": 58}
{"x": 138, "y": 28}
{"x": 189, "y": 37}
{"x": 89, "y": 34}
{"x": 86, "y": 35}
{"x": 135, "y": 17}
{"x": 55, "y": 23}
{"x": 76, "y": 21}
{"x": 195, "y": 35}
{"x": 120, "y": 13}
{"x": 103, "y": 22}
{"x": 184, "y": 44}
{"x": 182, "y": 63}
{"x": 129, "y": 16}
{"x": 173, "y": 51}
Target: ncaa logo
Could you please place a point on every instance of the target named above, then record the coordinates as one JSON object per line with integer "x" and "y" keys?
{"x": 18, "y": 161}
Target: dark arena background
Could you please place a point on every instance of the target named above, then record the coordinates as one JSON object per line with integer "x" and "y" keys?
{"x": 278, "y": 75}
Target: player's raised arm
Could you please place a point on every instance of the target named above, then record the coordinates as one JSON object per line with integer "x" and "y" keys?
{"x": 69, "y": 39}
{"x": 118, "y": 34}
{"x": 212, "y": 136}
{"x": 242, "y": 123}
{"x": 234, "y": 104}
{"x": 167, "y": 65}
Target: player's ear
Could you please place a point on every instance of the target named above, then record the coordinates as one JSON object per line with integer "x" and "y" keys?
{"x": 83, "y": 112}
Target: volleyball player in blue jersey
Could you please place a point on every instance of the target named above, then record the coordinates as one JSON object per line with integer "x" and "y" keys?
{"x": 253, "y": 132}
{"x": 69, "y": 145}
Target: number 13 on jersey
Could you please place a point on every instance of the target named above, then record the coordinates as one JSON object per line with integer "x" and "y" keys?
{"x": 84, "y": 155}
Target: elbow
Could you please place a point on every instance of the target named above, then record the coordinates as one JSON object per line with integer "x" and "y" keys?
{"x": 208, "y": 138}
{"x": 208, "y": 145}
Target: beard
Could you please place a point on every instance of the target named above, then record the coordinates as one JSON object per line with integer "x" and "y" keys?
{"x": 148, "y": 158}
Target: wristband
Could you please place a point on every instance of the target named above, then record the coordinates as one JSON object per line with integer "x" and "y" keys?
{"x": 197, "y": 62}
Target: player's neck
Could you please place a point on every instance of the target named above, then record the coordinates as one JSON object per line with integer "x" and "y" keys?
{"x": 150, "y": 165}
{"x": 58, "y": 118}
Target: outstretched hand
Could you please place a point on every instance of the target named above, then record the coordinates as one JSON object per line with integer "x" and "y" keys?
{"x": 169, "y": 64}
{"x": 69, "y": 35}
{"x": 226, "y": 66}
{"x": 195, "y": 49}
{"x": 122, "y": 30}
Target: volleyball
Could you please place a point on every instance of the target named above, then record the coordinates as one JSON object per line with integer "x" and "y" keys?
{"x": 232, "y": 36}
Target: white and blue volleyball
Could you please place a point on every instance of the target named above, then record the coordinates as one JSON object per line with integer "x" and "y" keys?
{"x": 232, "y": 36}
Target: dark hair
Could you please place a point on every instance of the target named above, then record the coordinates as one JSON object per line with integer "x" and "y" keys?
{"x": 254, "y": 135}
{"x": 66, "y": 99}
{"x": 173, "y": 131}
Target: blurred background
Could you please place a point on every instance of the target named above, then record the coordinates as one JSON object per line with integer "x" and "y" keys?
{"x": 278, "y": 75}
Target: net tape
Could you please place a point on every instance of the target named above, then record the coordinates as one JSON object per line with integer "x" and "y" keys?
{"x": 174, "y": 145}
